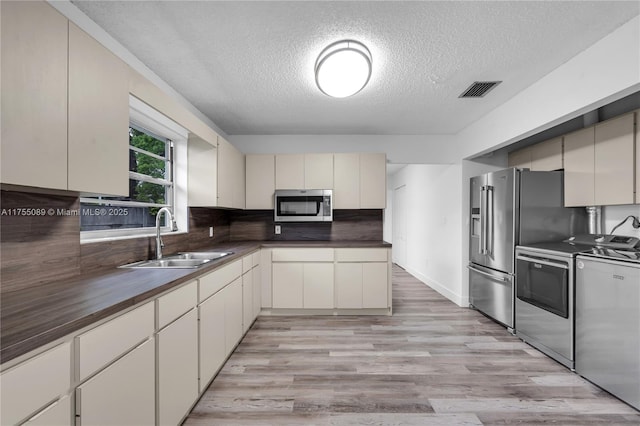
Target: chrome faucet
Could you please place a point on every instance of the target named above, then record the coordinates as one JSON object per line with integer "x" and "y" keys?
{"x": 173, "y": 227}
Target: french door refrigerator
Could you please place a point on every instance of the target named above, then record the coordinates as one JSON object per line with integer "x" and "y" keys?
{"x": 512, "y": 207}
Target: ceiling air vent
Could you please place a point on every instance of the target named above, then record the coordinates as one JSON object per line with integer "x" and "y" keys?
{"x": 479, "y": 88}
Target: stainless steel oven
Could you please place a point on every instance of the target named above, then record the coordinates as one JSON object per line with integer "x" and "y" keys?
{"x": 545, "y": 298}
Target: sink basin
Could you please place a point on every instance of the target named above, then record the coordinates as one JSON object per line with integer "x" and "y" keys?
{"x": 168, "y": 263}
{"x": 211, "y": 255}
{"x": 189, "y": 260}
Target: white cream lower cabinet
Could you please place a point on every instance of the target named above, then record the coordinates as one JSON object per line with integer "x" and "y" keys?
{"x": 233, "y": 314}
{"x": 362, "y": 278}
{"x": 177, "y": 368}
{"x": 212, "y": 340}
{"x": 56, "y": 414}
{"x": 121, "y": 394}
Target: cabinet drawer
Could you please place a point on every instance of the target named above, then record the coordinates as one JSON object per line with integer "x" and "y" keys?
{"x": 302, "y": 255}
{"x": 56, "y": 414}
{"x": 37, "y": 381}
{"x": 97, "y": 347}
{"x": 361, "y": 255}
{"x": 213, "y": 282}
{"x": 176, "y": 303}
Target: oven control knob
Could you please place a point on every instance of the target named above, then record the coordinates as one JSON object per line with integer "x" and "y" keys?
{"x": 599, "y": 239}
{"x": 580, "y": 265}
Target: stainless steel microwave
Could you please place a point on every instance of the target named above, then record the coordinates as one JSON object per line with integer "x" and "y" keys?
{"x": 303, "y": 205}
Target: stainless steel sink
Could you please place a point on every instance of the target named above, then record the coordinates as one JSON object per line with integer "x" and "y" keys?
{"x": 211, "y": 255}
{"x": 168, "y": 263}
{"x": 186, "y": 260}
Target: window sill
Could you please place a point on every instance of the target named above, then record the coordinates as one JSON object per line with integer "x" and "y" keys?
{"x": 99, "y": 237}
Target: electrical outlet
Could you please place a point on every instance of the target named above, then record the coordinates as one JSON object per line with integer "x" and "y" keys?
{"x": 210, "y": 231}
{"x": 278, "y": 229}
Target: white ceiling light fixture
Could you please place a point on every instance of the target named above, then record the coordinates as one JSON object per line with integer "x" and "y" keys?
{"x": 343, "y": 68}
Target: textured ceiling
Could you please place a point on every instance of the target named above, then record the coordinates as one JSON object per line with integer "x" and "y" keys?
{"x": 249, "y": 65}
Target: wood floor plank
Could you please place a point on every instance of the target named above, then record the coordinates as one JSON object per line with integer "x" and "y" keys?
{"x": 431, "y": 363}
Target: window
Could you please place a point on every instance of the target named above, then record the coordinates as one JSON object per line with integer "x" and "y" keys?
{"x": 155, "y": 145}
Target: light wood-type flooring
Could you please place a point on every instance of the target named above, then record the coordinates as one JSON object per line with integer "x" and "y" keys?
{"x": 431, "y": 363}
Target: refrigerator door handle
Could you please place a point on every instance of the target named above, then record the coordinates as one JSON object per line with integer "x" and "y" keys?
{"x": 486, "y": 274}
{"x": 483, "y": 221}
{"x": 489, "y": 220}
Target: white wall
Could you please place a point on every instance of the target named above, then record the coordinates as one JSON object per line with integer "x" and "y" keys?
{"x": 433, "y": 215}
{"x": 613, "y": 215}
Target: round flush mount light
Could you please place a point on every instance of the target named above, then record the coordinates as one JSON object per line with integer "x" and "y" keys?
{"x": 343, "y": 68}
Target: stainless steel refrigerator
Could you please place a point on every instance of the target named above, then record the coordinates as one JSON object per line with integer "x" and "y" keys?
{"x": 512, "y": 207}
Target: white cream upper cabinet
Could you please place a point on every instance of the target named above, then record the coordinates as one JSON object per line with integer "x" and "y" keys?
{"x": 202, "y": 172}
{"x": 261, "y": 181}
{"x": 34, "y": 95}
{"x": 547, "y": 155}
{"x": 614, "y": 161}
{"x": 373, "y": 181}
{"x": 579, "y": 179}
{"x": 230, "y": 183}
{"x": 121, "y": 394}
{"x": 318, "y": 171}
{"x": 346, "y": 181}
{"x": 520, "y": 158}
{"x": 290, "y": 171}
{"x": 98, "y": 140}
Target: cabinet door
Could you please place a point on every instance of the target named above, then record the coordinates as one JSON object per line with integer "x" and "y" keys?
{"x": 318, "y": 171}
{"x": 373, "y": 181}
{"x": 346, "y": 181}
{"x": 579, "y": 168}
{"x": 177, "y": 368}
{"x": 202, "y": 170}
{"x": 257, "y": 291}
{"x": 233, "y": 314}
{"x": 57, "y": 414}
{"x": 349, "y": 285}
{"x": 287, "y": 285}
{"x": 614, "y": 161}
{"x": 123, "y": 393}
{"x": 98, "y": 144}
{"x": 34, "y": 95}
{"x": 375, "y": 285}
{"x": 290, "y": 171}
{"x": 547, "y": 155}
{"x": 318, "y": 286}
{"x": 239, "y": 180}
{"x": 226, "y": 173}
{"x": 520, "y": 158}
{"x": 24, "y": 388}
{"x": 247, "y": 301}
{"x": 261, "y": 181}
{"x": 212, "y": 340}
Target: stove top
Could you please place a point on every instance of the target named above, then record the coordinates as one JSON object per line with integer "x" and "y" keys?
{"x": 557, "y": 247}
{"x": 605, "y": 240}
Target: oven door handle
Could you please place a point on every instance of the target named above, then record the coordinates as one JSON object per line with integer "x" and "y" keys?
{"x": 542, "y": 262}
{"x": 486, "y": 274}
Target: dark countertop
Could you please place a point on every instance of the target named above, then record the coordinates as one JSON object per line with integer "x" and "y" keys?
{"x": 39, "y": 315}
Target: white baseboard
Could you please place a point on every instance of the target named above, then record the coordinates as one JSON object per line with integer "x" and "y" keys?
{"x": 443, "y": 290}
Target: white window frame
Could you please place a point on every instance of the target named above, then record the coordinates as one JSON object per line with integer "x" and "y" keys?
{"x": 144, "y": 116}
